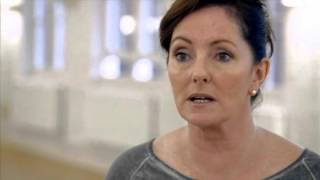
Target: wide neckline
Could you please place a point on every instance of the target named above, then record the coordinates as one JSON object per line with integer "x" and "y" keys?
{"x": 282, "y": 171}
{"x": 289, "y": 166}
{"x": 150, "y": 147}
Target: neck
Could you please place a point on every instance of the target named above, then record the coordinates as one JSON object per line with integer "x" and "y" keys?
{"x": 225, "y": 136}
{"x": 227, "y": 145}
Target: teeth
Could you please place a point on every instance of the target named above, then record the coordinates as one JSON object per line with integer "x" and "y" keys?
{"x": 201, "y": 101}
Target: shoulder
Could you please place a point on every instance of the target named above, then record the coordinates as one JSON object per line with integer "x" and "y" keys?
{"x": 128, "y": 162}
{"x": 311, "y": 161}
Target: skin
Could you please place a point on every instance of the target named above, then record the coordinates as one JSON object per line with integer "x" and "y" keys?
{"x": 208, "y": 55}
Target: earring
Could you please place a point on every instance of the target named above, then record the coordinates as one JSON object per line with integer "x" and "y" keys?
{"x": 253, "y": 92}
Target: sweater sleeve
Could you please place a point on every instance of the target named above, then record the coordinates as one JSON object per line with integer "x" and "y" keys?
{"x": 312, "y": 163}
{"x": 127, "y": 163}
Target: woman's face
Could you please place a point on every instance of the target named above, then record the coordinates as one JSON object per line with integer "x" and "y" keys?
{"x": 211, "y": 68}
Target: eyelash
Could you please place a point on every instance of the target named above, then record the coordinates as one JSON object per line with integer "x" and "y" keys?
{"x": 223, "y": 53}
{"x": 218, "y": 56}
{"x": 180, "y": 53}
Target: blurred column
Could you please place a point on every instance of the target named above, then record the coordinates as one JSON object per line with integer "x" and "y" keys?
{"x": 79, "y": 14}
{"x": 79, "y": 21}
{"x": 11, "y": 40}
{"x": 301, "y": 76}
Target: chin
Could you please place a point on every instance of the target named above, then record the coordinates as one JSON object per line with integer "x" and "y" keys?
{"x": 203, "y": 121}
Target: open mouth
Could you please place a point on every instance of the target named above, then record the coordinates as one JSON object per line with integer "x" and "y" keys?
{"x": 201, "y": 98}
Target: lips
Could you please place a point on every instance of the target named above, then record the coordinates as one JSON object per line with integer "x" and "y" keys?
{"x": 201, "y": 98}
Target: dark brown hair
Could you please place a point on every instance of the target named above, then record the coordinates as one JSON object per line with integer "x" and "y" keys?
{"x": 251, "y": 16}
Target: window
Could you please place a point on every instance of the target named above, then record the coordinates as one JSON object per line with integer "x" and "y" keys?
{"x": 44, "y": 35}
{"x": 125, "y": 41}
{"x": 11, "y": 23}
{"x": 39, "y": 50}
{"x": 59, "y": 36}
{"x": 275, "y": 76}
{"x": 113, "y": 37}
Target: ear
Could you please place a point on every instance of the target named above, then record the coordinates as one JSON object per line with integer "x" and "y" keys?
{"x": 259, "y": 74}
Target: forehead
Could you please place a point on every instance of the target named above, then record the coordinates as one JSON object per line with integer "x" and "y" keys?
{"x": 209, "y": 23}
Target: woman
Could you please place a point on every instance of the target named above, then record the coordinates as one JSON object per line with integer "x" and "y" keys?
{"x": 217, "y": 61}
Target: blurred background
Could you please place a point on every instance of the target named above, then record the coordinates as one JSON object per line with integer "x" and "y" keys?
{"x": 83, "y": 80}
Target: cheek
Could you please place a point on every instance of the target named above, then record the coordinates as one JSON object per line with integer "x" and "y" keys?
{"x": 175, "y": 80}
{"x": 234, "y": 83}
{"x": 179, "y": 82}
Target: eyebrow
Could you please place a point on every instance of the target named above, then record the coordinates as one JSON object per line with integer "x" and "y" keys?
{"x": 211, "y": 43}
{"x": 181, "y": 38}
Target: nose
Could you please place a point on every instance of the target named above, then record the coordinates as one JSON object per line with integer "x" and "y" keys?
{"x": 200, "y": 79}
{"x": 200, "y": 73}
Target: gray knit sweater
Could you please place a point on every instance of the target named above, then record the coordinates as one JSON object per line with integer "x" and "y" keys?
{"x": 140, "y": 163}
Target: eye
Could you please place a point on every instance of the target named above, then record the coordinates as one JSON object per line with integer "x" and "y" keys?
{"x": 223, "y": 56}
{"x": 182, "y": 56}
